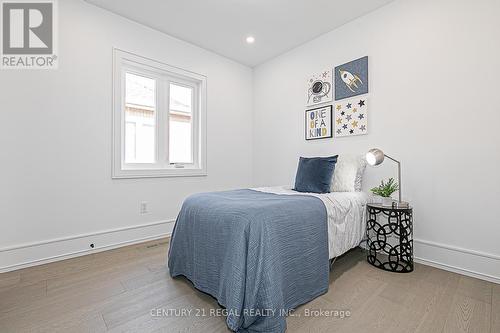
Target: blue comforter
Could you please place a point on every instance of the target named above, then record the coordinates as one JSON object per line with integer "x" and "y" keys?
{"x": 259, "y": 254}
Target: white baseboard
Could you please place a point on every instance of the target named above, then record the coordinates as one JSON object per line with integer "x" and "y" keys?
{"x": 472, "y": 263}
{"x": 38, "y": 253}
{"x": 477, "y": 264}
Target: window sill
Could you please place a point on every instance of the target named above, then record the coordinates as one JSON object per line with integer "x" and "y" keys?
{"x": 159, "y": 173}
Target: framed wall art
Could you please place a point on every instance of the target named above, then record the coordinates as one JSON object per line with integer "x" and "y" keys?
{"x": 319, "y": 88}
{"x": 351, "y": 79}
{"x": 318, "y": 123}
{"x": 351, "y": 117}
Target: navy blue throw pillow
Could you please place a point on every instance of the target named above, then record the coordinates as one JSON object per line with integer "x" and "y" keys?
{"x": 315, "y": 174}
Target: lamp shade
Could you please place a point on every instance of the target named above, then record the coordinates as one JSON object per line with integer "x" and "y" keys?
{"x": 374, "y": 156}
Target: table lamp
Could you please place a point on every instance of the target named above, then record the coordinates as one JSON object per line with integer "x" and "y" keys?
{"x": 376, "y": 156}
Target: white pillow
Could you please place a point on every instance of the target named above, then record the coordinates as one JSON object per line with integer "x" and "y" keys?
{"x": 348, "y": 173}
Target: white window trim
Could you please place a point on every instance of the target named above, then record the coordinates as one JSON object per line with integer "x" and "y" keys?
{"x": 123, "y": 59}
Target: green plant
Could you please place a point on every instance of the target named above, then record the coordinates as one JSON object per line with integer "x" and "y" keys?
{"x": 386, "y": 189}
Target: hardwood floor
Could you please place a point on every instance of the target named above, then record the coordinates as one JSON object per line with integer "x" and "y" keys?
{"x": 116, "y": 291}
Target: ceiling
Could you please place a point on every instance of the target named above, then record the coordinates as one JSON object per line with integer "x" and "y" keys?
{"x": 221, "y": 26}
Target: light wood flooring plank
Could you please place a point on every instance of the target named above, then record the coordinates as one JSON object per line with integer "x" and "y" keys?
{"x": 495, "y": 308}
{"x": 115, "y": 291}
{"x": 468, "y": 314}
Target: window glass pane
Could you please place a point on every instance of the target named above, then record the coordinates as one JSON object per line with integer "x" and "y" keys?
{"x": 180, "y": 126}
{"x": 180, "y": 98}
{"x": 130, "y": 142}
{"x": 140, "y": 119}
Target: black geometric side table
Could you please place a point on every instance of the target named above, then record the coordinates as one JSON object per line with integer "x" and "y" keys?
{"x": 389, "y": 233}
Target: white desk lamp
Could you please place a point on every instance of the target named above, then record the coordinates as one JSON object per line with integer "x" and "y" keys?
{"x": 376, "y": 156}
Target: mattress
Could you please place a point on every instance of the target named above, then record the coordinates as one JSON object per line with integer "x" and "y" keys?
{"x": 346, "y": 216}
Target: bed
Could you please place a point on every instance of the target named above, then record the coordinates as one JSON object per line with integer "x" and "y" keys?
{"x": 262, "y": 252}
{"x": 346, "y": 216}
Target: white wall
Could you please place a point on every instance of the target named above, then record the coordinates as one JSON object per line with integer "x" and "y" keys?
{"x": 434, "y": 68}
{"x": 434, "y": 71}
{"x": 55, "y": 131}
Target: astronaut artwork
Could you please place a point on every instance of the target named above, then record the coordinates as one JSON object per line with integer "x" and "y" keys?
{"x": 319, "y": 88}
{"x": 351, "y": 79}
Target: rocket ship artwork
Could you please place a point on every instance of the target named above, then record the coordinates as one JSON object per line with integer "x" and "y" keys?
{"x": 351, "y": 80}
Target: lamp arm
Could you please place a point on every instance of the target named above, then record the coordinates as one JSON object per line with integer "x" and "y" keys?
{"x": 399, "y": 175}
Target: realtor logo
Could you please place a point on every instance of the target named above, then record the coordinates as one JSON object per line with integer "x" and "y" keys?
{"x": 28, "y": 34}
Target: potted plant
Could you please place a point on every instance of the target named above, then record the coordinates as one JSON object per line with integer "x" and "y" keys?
{"x": 385, "y": 190}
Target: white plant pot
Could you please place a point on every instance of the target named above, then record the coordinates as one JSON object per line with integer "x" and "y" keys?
{"x": 387, "y": 201}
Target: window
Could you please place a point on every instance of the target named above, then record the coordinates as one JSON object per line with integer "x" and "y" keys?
{"x": 159, "y": 119}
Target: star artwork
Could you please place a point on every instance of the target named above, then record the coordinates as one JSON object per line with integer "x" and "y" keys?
{"x": 351, "y": 117}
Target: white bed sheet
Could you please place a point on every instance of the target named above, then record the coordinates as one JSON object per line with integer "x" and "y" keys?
{"x": 346, "y": 216}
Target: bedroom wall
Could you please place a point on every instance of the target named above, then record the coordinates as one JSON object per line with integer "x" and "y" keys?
{"x": 56, "y": 191}
{"x": 434, "y": 68}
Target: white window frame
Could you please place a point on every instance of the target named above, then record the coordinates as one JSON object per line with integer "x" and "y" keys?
{"x": 164, "y": 75}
